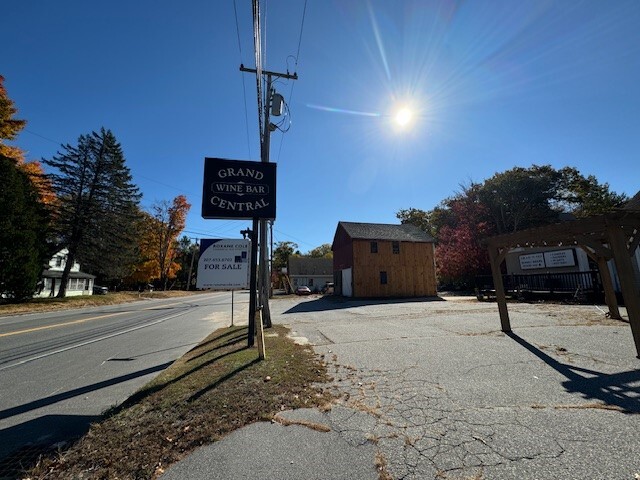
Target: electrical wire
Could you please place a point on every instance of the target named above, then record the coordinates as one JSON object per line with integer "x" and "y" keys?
{"x": 244, "y": 88}
{"x": 295, "y": 70}
{"x": 258, "y": 54}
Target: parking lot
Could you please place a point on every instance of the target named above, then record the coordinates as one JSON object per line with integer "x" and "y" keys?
{"x": 441, "y": 392}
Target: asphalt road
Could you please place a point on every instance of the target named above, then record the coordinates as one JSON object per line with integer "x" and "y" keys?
{"x": 434, "y": 390}
{"x": 59, "y": 371}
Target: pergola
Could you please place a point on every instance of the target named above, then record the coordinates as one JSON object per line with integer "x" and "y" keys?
{"x": 614, "y": 236}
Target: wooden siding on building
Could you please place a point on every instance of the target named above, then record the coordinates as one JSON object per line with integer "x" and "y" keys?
{"x": 342, "y": 250}
{"x": 410, "y": 273}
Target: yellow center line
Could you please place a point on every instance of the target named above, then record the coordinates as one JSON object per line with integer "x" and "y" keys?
{"x": 56, "y": 325}
{"x": 74, "y": 322}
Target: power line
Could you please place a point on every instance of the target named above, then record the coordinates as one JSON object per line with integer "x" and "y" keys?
{"x": 244, "y": 88}
{"x": 295, "y": 69}
{"x": 258, "y": 55}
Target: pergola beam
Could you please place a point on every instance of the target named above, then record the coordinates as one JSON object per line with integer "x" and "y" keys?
{"x": 614, "y": 236}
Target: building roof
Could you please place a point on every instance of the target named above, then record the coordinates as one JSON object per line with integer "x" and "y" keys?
{"x": 51, "y": 273}
{"x": 310, "y": 266}
{"x": 634, "y": 203}
{"x": 384, "y": 231}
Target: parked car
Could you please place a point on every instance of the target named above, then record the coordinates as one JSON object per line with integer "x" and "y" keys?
{"x": 328, "y": 288}
{"x": 97, "y": 290}
{"x": 303, "y": 290}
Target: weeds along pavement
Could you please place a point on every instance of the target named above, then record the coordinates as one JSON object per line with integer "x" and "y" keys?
{"x": 442, "y": 393}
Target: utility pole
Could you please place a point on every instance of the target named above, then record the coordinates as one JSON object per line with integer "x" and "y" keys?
{"x": 265, "y": 142}
{"x": 252, "y": 281}
{"x": 193, "y": 255}
{"x": 271, "y": 261}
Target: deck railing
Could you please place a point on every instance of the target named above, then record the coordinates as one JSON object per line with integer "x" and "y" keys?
{"x": 588, "y": 282}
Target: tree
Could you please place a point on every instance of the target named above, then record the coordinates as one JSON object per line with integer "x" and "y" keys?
{"x": 460, "y": 255}
{"x": 323, "y": 251}
{"x": 9, "y": 129}
{"x": 521, "y": 197}
{"x": 159, "y": 241}
{"x": 509, "y": 201}
{"x": 23, "y": 233}
{"x": 97, "y": 202}
{"x": 187, "y": 256}
{"x": 9, "y": 126}
{"x": 420, "y": 218}
{"x": 584, "y": 196}
{"x": 281, "y": 254}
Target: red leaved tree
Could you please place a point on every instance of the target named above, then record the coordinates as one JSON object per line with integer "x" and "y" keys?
{"x": 460, "y": 256}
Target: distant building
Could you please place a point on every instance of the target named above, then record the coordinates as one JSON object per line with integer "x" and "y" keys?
{"x": 315, "y": 273}
{"x": 79, "y": 283}
{"x": 383, "y": 260}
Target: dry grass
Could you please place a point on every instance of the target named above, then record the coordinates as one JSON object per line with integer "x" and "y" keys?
{"x": 217, "y": 387}
{"x": 50, "y": 304}
{"x": 381, "y": 467}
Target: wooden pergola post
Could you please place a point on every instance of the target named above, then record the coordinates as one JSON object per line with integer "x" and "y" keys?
{"x": 496, "y": 259}
{"x": 607, "y": 285}
{"x": 622, "y": 258}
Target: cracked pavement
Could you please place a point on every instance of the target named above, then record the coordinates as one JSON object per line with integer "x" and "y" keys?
{"x": 441, "y": 393}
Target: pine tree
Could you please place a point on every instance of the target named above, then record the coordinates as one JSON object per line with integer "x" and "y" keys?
{"x": 98, "y": 205}
{"x": 23, "y": 232}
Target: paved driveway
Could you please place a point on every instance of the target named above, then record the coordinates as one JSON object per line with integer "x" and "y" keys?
{"x": 442, "y": 393}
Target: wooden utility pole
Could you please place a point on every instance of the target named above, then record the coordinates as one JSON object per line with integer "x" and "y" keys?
{"x": 265, "y": 143}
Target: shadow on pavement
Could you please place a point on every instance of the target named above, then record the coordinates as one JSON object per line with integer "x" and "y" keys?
{"x": 337, "y": 303}
{"x": 620, "y": 390}
{"x": 23, "y": 444}
{"x": 43, "y": 402}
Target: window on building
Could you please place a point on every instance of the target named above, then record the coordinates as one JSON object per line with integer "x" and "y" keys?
{"x": 383, "y": 278}
{"x": 396, "y": 247}
{"x": 58, "y": 261}
{"x": 374, "y": 247}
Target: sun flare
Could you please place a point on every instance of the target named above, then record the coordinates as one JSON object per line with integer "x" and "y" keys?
{"x": 403, "y": 117}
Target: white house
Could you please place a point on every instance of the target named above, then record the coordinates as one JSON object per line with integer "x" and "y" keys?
{"x": 315, "y": 273}
{"x": 79, "y": 283}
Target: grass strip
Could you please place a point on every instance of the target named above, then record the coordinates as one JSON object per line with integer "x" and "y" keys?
{"x": 217, "y": 387}
{"x": 35, "y": 305}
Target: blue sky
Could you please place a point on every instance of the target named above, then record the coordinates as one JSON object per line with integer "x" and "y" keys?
{"x": 492, "y": 84}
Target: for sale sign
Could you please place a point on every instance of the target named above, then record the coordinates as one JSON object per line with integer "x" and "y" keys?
{"x": 238, "y": 189}
{"x": 224, "y": 264}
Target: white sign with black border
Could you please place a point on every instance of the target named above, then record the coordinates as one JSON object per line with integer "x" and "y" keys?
{"x": 224, "y": 264}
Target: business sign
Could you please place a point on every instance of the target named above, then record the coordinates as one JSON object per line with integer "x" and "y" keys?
{"x": 224, "y": 264}
{"x": 238, "y": 189}
{"x": 559, "y": 258}
{"x": 531, "y": 261}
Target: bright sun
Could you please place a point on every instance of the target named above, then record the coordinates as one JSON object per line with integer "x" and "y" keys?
{"x": 403, "y": 117}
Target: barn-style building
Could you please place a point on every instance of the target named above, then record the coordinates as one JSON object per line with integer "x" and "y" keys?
{"x": 383, "y": 260}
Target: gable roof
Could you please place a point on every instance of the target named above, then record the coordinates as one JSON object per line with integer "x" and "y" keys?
{"x": 383, "y": 231}
{"x": 310, "y": 266}
{"x": 634, "y": 203}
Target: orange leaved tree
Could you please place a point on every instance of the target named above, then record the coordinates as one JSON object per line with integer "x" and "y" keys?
{"x": 10, "y": 127}
{"x": 159, "y": 241}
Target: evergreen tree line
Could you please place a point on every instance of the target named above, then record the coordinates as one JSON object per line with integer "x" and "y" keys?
{"x": 88, "y": 204}
{"x": 96, "y": 215}
{"x": 509, "y": 201}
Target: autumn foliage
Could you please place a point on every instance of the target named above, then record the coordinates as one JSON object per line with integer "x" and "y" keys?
{"x": 9, "y": 130}
{"x": 459, "y": 254}
{"x": 158, "y": 242}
